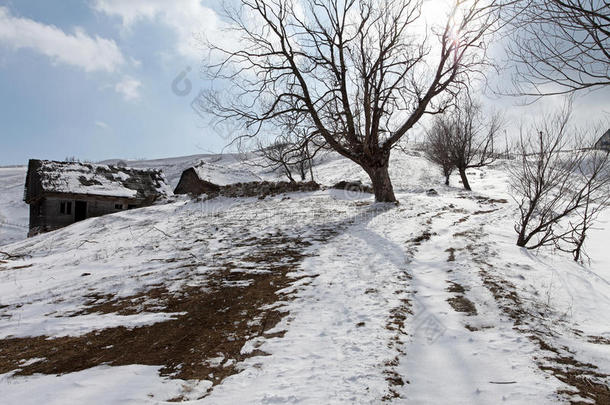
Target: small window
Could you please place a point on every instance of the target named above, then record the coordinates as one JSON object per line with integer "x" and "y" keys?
{"x": 65, "y": 207}
{"x": 118, "y": 206}
{"x": 131, "y": 206}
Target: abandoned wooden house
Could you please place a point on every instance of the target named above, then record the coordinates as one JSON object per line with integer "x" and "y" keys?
{"x": 61, "y": 193}
{"x": 604, "y": 142}
{"x": 208, "y": 178}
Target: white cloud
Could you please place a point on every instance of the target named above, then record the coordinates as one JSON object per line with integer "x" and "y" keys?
{"x": 101, "y": 124}
{"x": 129, "y": 88}
{"x": 135, "y": 62}
{"x": 78, "y": 49}
{"x": 188, "y": 18}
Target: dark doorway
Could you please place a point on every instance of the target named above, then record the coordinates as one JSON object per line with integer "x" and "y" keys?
{"x": 80, "y": 210}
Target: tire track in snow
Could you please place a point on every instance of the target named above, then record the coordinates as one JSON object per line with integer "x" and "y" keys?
{"x": 583, "y": 382}
{"x": 446, "y": 361}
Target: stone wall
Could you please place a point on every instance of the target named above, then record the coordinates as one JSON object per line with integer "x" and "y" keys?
{"x": 263, "y": 189}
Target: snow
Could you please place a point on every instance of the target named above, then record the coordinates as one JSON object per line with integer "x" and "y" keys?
{"x": 324, "y": 339}
{"x": 470, "y": 364}
{"x": 71, "y": 178}
{"x": 34, "y": 321}
{"x": 598, "y": 244}
{"x": 172, "y": 167}
{"x": 337, "y": 340}
{"x": 370, "y": 317}
{"x": 223, "y": 176}
{"x": 14, "y": 212}
{"x": 46, "y": 289}
{"x": 133, "y": 384}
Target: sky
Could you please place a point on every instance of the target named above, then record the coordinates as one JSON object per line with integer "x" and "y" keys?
{"x": 93, "y": 79}
{"x": 101, "y": 79}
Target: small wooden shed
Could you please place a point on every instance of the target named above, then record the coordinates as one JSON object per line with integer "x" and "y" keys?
{"x": 61, "y": 193}
{"x": 208, "y": 178}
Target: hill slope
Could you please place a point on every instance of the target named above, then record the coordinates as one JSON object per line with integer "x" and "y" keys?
{"x": 351, "y": 301}
{"x": 14, "y": 213}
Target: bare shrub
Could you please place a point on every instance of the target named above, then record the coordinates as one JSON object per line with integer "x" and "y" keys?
{"x": 559, "y": 184}
{"x": 290, "y": 156}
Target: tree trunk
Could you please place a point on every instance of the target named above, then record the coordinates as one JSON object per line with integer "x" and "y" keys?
{"x": 309, "y": 160}
{"x": 465, "y": 179}
{"x": 580, "y": 242}
{"x": 521, "y": 242}
{"x": 382, "y": 185}
{"x": 287, "y": 172}
{"x": 447, "y": 179}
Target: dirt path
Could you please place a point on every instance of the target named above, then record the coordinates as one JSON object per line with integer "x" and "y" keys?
{"x": 484, "y": 343}
{"x": 582, "y": 380}
{"x": 344, "y": 330}
{"x": 456, "y": 344}
{"x": 394, "y": 315}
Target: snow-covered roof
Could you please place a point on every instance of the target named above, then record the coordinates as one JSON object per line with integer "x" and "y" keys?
{"x": 46, "y": 176}
{"x": 222, "y": 175}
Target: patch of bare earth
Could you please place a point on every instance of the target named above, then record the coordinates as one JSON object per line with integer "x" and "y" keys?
{"x": 599, "y": 340}
{"x": 218, "y": 319}
{"x": 459, "y": 302}
{"x": 397, "y": 324}
{"x": 451, "y": 252}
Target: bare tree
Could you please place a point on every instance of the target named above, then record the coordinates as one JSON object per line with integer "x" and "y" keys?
{"x": 359, "y": 73}
{"x": 464, "y": 139}
{"x": 276, "y": 157}
{"x": 559, "y": 189}
{"x": 288, "y": 155}
{"x": 437, "y": 147}
{"x": 560, "y": 46}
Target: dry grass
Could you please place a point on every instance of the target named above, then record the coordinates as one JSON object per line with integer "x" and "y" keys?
{"x": 218, "y": 320}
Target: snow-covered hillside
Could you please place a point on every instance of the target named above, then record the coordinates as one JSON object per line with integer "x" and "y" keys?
{"x": 307, "y": 298}
{"x": 14, "y": 213}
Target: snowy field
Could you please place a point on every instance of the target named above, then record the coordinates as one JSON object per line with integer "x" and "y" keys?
{"x": 14, "y": 213}
{"x": 306, "y": 298}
